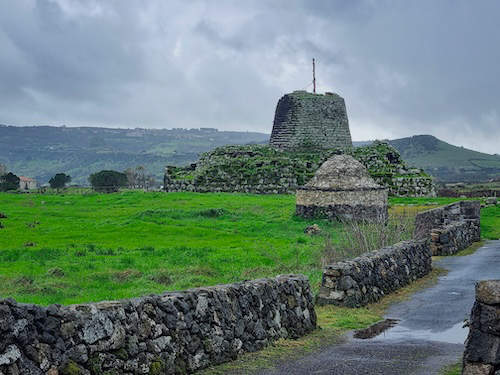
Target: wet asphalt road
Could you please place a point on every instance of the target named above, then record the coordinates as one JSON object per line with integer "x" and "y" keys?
{"x": 429, "y": 335}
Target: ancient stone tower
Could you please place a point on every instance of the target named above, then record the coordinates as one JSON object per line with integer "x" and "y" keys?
{"x": 310, "y": 121}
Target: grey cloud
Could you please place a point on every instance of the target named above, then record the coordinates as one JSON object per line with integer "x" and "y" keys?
{"x": 404, "y": 68}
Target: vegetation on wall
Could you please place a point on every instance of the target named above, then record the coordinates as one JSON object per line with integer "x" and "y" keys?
{"x": 262, "y": 169}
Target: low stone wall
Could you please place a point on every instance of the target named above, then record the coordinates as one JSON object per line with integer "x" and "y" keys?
{"x": 482, "y": 347}
{"x": 428, "y": 220}
{"x": 450, "y": 228}
{"x": 440, "y": 231}
{"x": 367, "y": 278}
{"x": 159, "y": 334}
{"x": 452, "y": 238}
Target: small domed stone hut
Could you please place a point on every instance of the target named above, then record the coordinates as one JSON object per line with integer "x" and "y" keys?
{"x": 342, "y": 189}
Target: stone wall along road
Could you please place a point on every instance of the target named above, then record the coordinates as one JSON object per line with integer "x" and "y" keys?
{"x": 367, "y": 278}
{"x": 158, "y": 334}
{"x": 450, "y": 228}
{"x": 482, "y": 348}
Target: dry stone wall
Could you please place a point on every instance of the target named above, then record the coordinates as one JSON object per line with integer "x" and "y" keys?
{"x": 450, "y": 239}
{"x": 482, "y": 347}
{"x": 367, "y": 278}
{"x": 450, "y": 228}
{"x": 159, "y": 334}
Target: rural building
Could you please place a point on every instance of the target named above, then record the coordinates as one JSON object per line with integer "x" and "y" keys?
{"x": 310, "y": 121}
{"x": 342, "y": 189}
{"x": 27, "y": 183}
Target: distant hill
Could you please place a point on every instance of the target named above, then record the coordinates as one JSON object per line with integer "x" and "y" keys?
{"x": 446, "y": 162}
{"x": 42, "y": 151}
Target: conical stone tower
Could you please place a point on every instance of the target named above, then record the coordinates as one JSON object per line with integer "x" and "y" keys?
{"x": 342, "y": 189}
{"x": 306, "y": 121}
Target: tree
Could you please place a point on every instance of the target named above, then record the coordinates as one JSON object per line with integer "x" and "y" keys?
{"x": 137, "y": 178}
{"x": 8, "y": 182}
{"x": 3, "y": 169}
{"x": 108, "y": 181}
{"x": 59, "y": 180}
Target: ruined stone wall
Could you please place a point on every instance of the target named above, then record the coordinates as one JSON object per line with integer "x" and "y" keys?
{"x": 408, "y": 186}
{"x": 263, "y": 170}
{"x": 247, "y": 169}
{"x": 482, "y": 347}
{"x": 159, "y": 334}
{"x": 310, "y": 121}
{"x": 439, "y": 217}
{"x": 367, "y": 278}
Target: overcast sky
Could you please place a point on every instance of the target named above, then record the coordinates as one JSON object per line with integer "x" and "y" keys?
{"x": 403, "y": 67}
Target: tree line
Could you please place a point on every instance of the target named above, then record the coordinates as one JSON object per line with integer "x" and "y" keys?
{"x": 106, "y": 181}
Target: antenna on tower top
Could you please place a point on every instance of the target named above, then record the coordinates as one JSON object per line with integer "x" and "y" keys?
{"x": 314, "y": 76}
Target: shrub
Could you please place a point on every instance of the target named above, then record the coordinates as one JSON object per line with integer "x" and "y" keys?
{"x": 359, "y": 238}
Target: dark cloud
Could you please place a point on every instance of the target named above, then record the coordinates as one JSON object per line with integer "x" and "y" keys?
{"x": 405, "y": 68}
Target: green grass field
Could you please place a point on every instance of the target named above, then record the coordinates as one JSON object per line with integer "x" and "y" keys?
{"x": 78, "y": 248}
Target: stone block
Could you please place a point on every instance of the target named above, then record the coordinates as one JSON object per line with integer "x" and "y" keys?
{"x": 488, "y": 292}
{"x": 477, "y": 369}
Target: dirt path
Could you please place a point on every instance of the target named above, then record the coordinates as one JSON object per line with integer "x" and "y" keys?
{"x": 428, "y": 336}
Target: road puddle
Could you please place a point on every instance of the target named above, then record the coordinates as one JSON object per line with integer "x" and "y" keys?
{"x": 375, "y": 329}
{"x": 453, "y": 335}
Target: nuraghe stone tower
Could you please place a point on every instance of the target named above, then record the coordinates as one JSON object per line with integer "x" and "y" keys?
{"x": 310, "y": 121}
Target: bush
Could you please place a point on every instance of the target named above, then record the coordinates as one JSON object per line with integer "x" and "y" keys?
{"x": 359, "y": 238}
{"x": 108, "y": 181}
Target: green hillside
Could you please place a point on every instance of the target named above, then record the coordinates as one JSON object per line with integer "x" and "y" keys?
{"x": 446, "y": 162}
{"x": 42, "y": 151}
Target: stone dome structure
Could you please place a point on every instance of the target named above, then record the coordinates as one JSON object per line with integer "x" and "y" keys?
{"x": 342, "y": 189}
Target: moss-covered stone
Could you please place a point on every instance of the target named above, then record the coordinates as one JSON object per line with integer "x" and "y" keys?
{"x": 157, "y": 367}
{"x": 71, "y": 368}
{"x": 121, "y": 354}
{"x": 265, "y": 170}
{"x": 95, "y": 365}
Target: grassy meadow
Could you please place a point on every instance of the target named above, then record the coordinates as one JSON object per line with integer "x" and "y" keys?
{"x": 73, "y": 248}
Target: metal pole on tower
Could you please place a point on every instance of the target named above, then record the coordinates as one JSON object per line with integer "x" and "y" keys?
{"x": 314, "y": 76}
